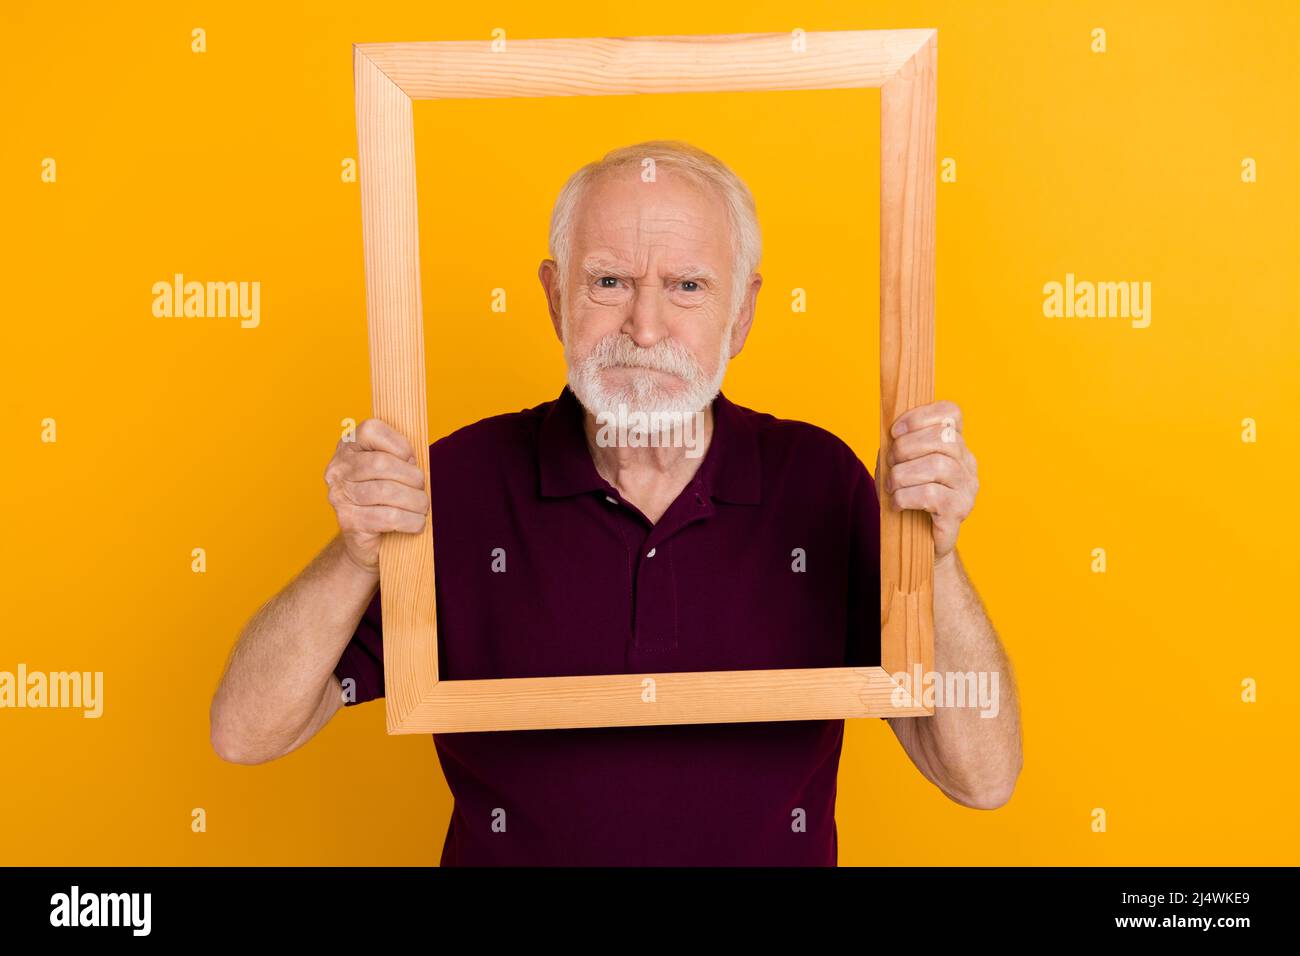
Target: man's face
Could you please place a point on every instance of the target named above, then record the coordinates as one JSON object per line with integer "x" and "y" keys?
{"x": 645, "y": 317}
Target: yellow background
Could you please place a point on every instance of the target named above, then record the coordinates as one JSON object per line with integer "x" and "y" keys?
{"x": 183, "y": 433}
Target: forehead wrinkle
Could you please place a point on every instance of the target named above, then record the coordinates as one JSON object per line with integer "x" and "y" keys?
{"x": 647, "y": 219}
{"x": 624, "y": 245}
{"x": 668, "y": 228}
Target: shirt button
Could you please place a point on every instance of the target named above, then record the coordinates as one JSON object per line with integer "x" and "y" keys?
{"x": 651, "y": 553}
{"x": 611, "y": 500}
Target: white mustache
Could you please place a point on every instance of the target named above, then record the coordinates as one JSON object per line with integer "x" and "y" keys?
{"x": 696, "y": 389}
{"x": 668, "y": 355}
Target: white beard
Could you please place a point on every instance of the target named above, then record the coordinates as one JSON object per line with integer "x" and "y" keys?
{"x": 645, "y": 392}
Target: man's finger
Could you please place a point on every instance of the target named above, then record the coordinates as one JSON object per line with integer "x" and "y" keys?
{"x": 926, "y": 441}
{"x": 384, "y": 491}
{"x": 933, "y": 468}
{"x": 370, "y": 465}
{"x": 374, "y": 434}
{"x": 932, "y": 497}
{"x": 935, "y": 413}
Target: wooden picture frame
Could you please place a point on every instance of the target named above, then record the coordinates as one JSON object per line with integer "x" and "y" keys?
{"x": 389, "y": 76}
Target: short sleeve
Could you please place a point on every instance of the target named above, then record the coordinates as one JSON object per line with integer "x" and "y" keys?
{"x": 363, "y": 657}
{"x": 863, "y": 645}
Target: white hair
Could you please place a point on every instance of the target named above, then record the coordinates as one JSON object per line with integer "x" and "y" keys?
{"x": 704, "y": 168}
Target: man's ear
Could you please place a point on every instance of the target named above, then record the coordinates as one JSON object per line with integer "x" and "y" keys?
{"x": 745, "y": 317}
{"x": 549, "y": 274}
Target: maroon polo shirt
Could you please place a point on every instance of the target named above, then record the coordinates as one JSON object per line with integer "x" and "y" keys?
{"x": 769, "y": 558}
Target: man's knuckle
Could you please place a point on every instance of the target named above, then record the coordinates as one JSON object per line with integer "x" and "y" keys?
{"x": 371, "y": 519}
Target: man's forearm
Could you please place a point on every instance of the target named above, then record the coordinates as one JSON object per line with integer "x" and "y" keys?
{"x": 972, "y": 757}
{"x": 278, "y": 671}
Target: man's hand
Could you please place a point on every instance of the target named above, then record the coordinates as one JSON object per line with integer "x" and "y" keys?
{"x": 375, "y": 486}
{"x": 972, "y": 754}
{"x": 931, "y": 469}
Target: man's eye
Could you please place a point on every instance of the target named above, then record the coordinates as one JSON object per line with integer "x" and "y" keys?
{"x": 612, "y": 279}
{"x": 686, "y": 282}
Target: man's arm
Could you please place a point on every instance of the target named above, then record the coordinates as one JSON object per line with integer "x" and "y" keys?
{"x": 279, "y": 687}
{"x": 974, "y": 759}
{"x": 972, "y": 753}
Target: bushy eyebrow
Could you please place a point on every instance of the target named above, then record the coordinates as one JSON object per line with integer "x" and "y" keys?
{"x": 595, "y": 266}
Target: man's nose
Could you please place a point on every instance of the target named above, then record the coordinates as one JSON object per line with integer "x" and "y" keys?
{"x": 646, "y": 321}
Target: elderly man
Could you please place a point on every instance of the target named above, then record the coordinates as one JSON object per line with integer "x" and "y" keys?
{"x": 566, "y": 547}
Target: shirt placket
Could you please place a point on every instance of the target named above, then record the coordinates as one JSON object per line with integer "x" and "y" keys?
{"x": 654, "y": 590}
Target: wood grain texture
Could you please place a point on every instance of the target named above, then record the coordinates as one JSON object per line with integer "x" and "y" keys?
{"x": 620, "y": 700}
{"x": 907, "y": 278}
{"x": 388, "y": 76}
{"x": 613, "y": 66}
{"x": 390, "y": 234}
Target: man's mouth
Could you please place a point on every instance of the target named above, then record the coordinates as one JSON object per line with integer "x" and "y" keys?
{"x": 642, "y": 368}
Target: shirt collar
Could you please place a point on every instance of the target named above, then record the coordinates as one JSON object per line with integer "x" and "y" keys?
{"x": 730, "y": 470}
